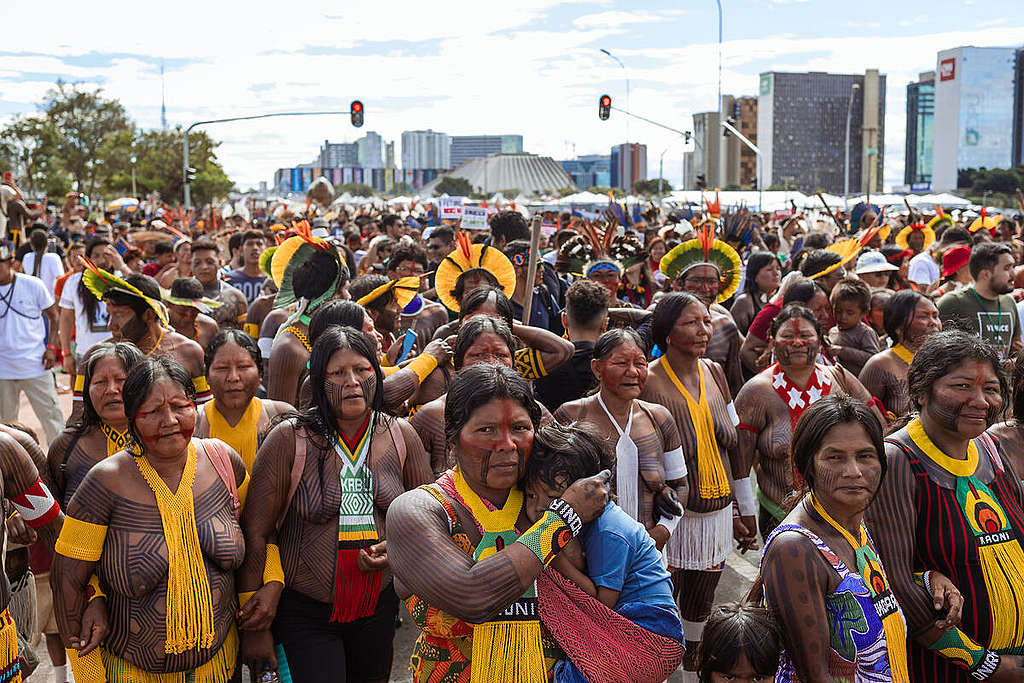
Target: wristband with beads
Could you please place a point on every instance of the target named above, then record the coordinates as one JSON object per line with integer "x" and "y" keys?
{"x": 958, "y": 647}
{"x": 548, "y": 536}
{"x": 568, "y": 515}
{"x": 93, "y": 590}
{"x": 988, "y": 665}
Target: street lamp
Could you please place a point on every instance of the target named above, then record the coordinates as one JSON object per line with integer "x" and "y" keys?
{"x": 134, "y": 193}
{"x": 619, "y": 61}
{"x": 846, "y": 165}
{"x": 753, "y": 148}
{"x": 721, "y": 171}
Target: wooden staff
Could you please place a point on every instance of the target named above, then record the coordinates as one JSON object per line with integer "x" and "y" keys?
{"x": 531, "y": 268}
{"x": 912, "y": 216}
{"x": 830, "y": 214}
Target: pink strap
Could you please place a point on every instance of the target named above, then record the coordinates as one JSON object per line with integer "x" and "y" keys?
{"x": 221, "y": 461}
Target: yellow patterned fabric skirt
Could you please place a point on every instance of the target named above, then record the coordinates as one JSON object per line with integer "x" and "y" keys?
{"x": 219, "y": 669}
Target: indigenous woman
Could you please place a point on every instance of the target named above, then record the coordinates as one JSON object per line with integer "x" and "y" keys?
{"x": 909, "y": 318}
{"x": 156, "y": 524}
{"x": 325, "y": 478}
{"x": 482, "y": 339}
{"x": 770, "y": 405}
{"x": 799, "y": 290}
{"x": 467, "y": 557}
{"x": 102, "y": 429}
{"x": 308, "y": 271}
{"x": 952, "y": 503}
{"x": 694, "y": 391}
{"x": 541, "y": 352}
{"x": 710, "y": 269}
{"x": 235, "y": 416}
{"x": 763, "y": 275}
{"x": 650, "y": 472}
{"x": 1011, "y": 432}
{"x": 637, "y": 284}
{"x": 399, "y": 382}
{"x": 823, "y": 579}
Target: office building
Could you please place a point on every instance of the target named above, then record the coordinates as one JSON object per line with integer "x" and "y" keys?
{"x": 336, "y": 155}
{"x": 917, "y": 165}
{"x": 425, "y": 149}
{"x": 1018, "y": 110}
{"x": 974, "y": 111}
{"x": 737, "y": 163}
{"x": 689, "y": 181}
{"x": 589, "y": 170}
{"x": 628, "y": 165}
{"x": 707, "y": 139}
{"x": 371, "y": 150}
{"x": 466, "y": 147}
{"x": 801, "y": 130}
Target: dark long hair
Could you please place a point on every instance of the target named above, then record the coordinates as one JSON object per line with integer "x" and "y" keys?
{"x": 899, "y": 312}
{"x": 478, "y": 385}
{"x": 757, "y": 261}
{"x": 666, "y": 312}
{"x": 795, "y": 311}
{"x": 89, "y": 300}
{"x": 238, "y": 337}
{"x": 613, "y": 339}
{"x": 471, "y": 329}
{"x": 318, "y": 418}
{"x": 942, "y": 352}
{"x": 819, "y": 419}
{"x": 479, "y": 296}
{"x": 127, "y": 354}
{"x": 735, "y": 630}
{"x": 140, "y": 381}
{"x": 336, "y": 312}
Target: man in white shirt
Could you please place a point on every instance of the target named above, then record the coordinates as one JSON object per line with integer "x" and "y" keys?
{"x": 924, "y": 268}
{"x": 82, "y": 315}
{"x": 25, "y": 354}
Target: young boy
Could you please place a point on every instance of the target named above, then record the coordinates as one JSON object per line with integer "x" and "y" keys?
{"x": 852, "y": 341}
{"x": 619, "y": 565}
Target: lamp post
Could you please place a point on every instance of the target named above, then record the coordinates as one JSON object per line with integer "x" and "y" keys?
{"x": 721, "y": 171}
{"x": 619, "y": 62}
{"x": 846, "y": 164}
{"x": 134, "y": 193}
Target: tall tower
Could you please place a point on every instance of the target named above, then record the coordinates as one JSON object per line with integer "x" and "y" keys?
{"x": 163, "y": 99}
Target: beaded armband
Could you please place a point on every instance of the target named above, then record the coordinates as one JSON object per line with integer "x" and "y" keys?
{"x": 957, "y": 647}
{"x": 272, "y": 569}
{"x": 93, "y": 590}
{"x": 552, "y": 532}
{"x": 924, "y": 580}
{"x": 422, "y": 365}
{"x": 81, "y": 540}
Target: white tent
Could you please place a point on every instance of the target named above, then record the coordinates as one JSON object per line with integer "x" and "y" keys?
{"x": 771, "y": 200}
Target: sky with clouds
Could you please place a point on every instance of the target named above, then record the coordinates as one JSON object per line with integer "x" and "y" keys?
{"x": 531, "y": 67}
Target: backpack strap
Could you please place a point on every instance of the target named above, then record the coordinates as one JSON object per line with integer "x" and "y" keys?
{"x": 219, "y": 456}
{"x": 298, "y": 464}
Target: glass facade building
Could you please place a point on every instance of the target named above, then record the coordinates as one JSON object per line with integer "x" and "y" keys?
{"x": 917, "y": 167}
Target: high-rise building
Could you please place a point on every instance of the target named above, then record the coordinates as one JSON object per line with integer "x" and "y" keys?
{"x": 974, "y": 111}
{"x": 689, "y": 172}
{"x": 338, "y": 154}
{"x": 1018, "y": 110}
{"x": 737, "y": 163}
{"x": 917, "y": 166}
{"x": 371, "y": 150}
{"x": 628, "y": 165}
{"x": 425, "y": 149}
{"x": 707, "y": 138}
{"x": 801, "y": 130}
{"x": 589, "y": 170}
{"x": 466, "y": 147}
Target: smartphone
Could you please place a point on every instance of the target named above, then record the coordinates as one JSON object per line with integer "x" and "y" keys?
{"x": 410, "y": 339}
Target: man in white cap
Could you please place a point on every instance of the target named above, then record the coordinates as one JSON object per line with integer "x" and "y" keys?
{"x": 873, "y": 269}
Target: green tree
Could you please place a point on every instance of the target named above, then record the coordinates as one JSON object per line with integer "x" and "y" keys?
{"x": 616, "y": 192}
{"x": 401, "y": 188}
{"x": 651, "y": 186}
{"x": 453, "y": 187}
{"x": 158, "y": 167}
{"x": 94, "y": 134}
{"x": 27, "y": 147}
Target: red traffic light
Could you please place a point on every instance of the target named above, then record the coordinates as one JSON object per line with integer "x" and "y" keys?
{"x": 606, "y": 101}
{"x": 604, "y": 107}
{"x": 356, "y": 112}
{"x": 357, "y": 106}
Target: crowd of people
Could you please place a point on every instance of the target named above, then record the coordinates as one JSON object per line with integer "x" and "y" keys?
{"x": 286, "y": 424}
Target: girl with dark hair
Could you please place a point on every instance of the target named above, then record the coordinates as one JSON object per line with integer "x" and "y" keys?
{"x": 763, "y": 275}
{"x": 1011, "y": 432}
{"x": 909, "y": 318}
{"x": 235, "y": 415}
{"x": 650, "y": 472}
{"x": 325, "y": 478}
{"x": 695, "y": 392}
{"x": 770, "y": 405}
{"x": 102, "y": 428}
{"x": 535, "y": 353}
{"x": 464, "y": 549}
{"x": 482, "y": 339}
{"x": 156, "y": 523}
{"x": 952, "y": 503}
{"x": 741, "y": 643}
{"x": 821, "y": 570}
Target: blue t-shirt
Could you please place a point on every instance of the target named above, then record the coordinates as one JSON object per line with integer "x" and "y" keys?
{"x": 250, "y": 286}
{"x": 621, "y": 555}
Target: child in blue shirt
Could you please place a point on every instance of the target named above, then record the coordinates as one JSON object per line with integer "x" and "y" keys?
{"x": 614, "y": 559}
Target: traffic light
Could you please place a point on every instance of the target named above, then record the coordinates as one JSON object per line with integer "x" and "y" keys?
{"x": 701, "y": 181}
{"x": 725, "y": 131}
{"x": 357, "y": 113}
{"x": 190, "y": 175}
{"x": 604, "y": 107}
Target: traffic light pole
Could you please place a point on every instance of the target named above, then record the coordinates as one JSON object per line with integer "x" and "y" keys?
{"x": 184, "y": 155}
{"x": 688, "y": 135}
{"x": 753, "y": 148}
